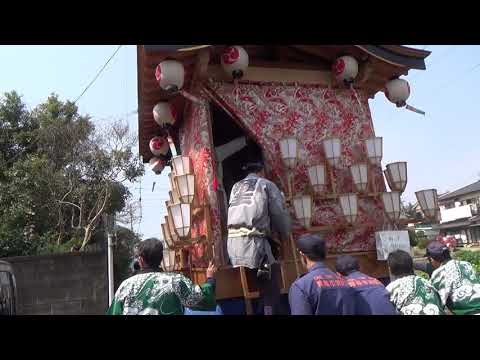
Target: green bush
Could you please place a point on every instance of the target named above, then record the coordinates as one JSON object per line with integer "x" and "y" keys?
{"x": 473, "y": 257}
{"x": 422, "y": 242}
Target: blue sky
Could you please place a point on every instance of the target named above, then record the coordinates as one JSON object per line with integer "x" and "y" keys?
{"x": 442, "y": 149}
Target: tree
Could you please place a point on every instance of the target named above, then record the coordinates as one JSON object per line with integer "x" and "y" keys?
{"x": 130, "y": 215}
{"x": 99, "y": 173}
{"x": 410, "y": 211}
{"x": 125, "y": 241}
{"x": 58, "y": 175}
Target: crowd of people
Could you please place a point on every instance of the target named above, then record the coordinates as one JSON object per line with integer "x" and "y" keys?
{"x": 257, "y": 210}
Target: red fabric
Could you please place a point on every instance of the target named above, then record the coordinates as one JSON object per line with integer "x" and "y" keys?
{"x": 195, "y": 139}
{"x": 310, "y": 113}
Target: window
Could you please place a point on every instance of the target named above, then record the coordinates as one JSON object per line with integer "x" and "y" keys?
{"x": 449, "y": 205}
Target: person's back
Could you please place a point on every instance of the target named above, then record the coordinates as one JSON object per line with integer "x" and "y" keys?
{"x": 256, "y": 207}
{"x": 152, "y": 292}
{"x": 371, "y": 297}
{"x": 458, "y": 286}
{"x": 320, "y": 291}
{"x": 160, "y": 293}
{"x": 252, "y": 206}
{"x": 411, "y": 294}
{"x": 456, "y": 281}
{"x": 327, "y": 293}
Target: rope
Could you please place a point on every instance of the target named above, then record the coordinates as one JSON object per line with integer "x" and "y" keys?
{"x": 98, "y": 74}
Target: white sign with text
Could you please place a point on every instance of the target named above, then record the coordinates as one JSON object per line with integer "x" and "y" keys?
{"x": 388, "y": 241}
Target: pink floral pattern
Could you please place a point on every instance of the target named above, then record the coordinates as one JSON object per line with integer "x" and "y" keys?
{"x": 194, "y": 137}
{"x": 311, "y": 113}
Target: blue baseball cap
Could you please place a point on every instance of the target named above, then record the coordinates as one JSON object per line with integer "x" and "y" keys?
{"x": 436, "y": 249}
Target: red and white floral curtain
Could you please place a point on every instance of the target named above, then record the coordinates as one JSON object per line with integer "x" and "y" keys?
{"x": 270, "y": 112}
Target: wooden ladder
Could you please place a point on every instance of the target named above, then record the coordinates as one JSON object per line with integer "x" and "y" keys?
{"x": 251, "y": 295}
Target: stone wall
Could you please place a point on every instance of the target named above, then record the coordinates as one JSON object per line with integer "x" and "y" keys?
{"x": 61, "y": 284}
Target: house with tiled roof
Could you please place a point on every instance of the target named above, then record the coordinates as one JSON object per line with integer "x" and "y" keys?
{"x": 460, "y": 216}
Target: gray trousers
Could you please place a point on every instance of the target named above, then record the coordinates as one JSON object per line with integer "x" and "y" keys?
{"x": 249, "y": 253}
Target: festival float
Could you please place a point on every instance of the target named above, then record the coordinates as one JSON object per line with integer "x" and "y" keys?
{"x": 305, "y": 109}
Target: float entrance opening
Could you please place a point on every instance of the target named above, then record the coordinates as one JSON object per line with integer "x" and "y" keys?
{"x": 224, "y": 130}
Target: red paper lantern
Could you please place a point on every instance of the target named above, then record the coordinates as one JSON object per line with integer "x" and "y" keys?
{"x": 164, "y": 114}
{"x": 345, "y": 69}
{"x": 159, "y": 146}
{"x": 170, "y": 75}
{"x": 235, "y": 61}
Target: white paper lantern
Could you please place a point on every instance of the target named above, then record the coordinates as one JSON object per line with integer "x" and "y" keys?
{"x": 170, "y": 228}
{"x": 303, "y": 209}
{"x": 333, "y": 151}
{"x": 156, "y": 165}
{"x": 164, "y": 114}
{"x": 235, "y": 61}
{"x": 359, "y": 174}
{"x": 316, "y": 174}
{"x": 174, "y": 194}
{"x": 397, "y": 91}
{"x": 391, "y": 204}
{"x": 169, "y": 257}
{"x": 289, "y": 152}
{"x": 345, "y": 69}
{"x": 186, "y": 187}
{"x": 349, "y": 206}
{"x": 166, "y": 234}
{"x": 397, "y": 174}
{"x": 428, "y": 201}
{"x": 181, "y": 166}
{"x": 174, "y": 197}
{"x": 180, "y": 215}
{"x": 159, "y": 146}
{"x": 170, "y": 75}
{"x": 374, "y": 148}
{"x": 389, "y": 180}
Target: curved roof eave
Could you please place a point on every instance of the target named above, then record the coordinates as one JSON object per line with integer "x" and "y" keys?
{"x": 398, "y": 55}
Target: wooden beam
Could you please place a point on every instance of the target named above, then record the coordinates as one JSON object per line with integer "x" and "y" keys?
{"x": 262, "y": 74}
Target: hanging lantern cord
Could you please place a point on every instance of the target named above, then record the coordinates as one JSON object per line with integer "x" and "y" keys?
{"x": 358, "y": 99}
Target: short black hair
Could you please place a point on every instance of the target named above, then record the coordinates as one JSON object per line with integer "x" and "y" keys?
{"x": 312, "y": 246}
{"x": 346, "y": 264}
{"x": 441, "y": 257}
{"x": 151, "y": 251}
{"x": 400, "y": 263}
{"x": 254, "y": 167}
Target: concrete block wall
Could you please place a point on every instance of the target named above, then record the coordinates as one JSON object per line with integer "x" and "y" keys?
{"x": 61, "y": 284}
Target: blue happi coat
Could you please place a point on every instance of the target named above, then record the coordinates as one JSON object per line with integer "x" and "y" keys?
{"x": 321, "y": 292}
{"x": 371, "y": 297}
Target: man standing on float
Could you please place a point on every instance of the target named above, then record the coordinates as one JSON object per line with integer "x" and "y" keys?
{"x": 257, "y": 207}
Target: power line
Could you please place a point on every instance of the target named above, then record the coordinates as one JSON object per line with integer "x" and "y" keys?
{"x": 98, "y": 74}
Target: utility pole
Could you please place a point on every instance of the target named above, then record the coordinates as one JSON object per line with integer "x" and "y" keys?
{"x": 109, "y": 225}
